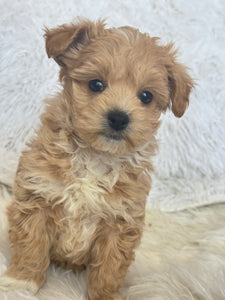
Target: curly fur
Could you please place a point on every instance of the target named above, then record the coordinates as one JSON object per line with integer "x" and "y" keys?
{"x": 79, "y": 194}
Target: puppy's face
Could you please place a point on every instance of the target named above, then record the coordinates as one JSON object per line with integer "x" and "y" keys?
{"x": 117, "y": 82}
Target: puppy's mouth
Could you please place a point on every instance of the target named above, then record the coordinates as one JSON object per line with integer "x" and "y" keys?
{"x": 115, "y": 126}
{"x": 112, "y": 136}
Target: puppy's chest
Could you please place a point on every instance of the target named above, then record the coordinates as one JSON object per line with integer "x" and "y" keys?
{"x": 93, "y": 178}
{"x": 74, "y": 237}
{"x": 85, "y": 203}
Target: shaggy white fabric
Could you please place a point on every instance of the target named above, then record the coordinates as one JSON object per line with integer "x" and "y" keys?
{"x": 190, "y": 166}
{"x": 181, "y": 257}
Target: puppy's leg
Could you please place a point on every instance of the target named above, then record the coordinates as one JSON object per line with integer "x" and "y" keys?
{"x": 30, "y": 248}
{"x": 111, "y": 255}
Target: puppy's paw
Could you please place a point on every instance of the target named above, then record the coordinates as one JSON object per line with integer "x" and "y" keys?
{"x": 8, "y": 283}
{"x": 114, "y": 296}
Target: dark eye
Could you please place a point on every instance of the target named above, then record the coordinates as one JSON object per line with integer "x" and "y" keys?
{"x": 146, "y": 97}
{"x": 96, "y": 85}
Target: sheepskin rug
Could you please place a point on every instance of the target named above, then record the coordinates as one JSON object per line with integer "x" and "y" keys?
{"x": 182, "y": 254}
{"x": 181, "y": 257}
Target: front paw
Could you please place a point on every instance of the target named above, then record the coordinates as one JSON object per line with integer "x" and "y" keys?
{"x": 8, "y": 283}
{"x": 99, "y": 296}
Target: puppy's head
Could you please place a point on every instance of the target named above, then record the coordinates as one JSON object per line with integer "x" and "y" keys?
{"x": 116, "y": 82}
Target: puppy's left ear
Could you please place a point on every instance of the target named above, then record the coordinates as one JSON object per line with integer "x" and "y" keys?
{"x": 180, "y": 84}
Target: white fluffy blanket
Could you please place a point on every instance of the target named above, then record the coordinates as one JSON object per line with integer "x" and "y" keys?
{"x": 190, "y": 166}
{"x": 181, "y": 257}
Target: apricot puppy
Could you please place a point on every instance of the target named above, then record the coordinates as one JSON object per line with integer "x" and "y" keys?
{"x": 81, "y": 185}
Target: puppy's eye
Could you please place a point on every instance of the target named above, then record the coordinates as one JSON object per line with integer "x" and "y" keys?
{"x": 96, "y": 85}
{"x": 146, "y": 97}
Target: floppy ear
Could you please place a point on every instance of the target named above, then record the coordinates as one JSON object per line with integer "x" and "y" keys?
{"x": 63, "y": 40}
{"x": 180, "y": 85}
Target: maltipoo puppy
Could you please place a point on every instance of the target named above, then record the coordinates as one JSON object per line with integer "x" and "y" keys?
{"x": 82, "y": 183}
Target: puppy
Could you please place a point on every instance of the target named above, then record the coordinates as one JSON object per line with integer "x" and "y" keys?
{"x": 81, "y": 186}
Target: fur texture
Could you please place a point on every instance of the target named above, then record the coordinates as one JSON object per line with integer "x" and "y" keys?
{"x": 82, "y": 184}
{"x": 181, "y": 257}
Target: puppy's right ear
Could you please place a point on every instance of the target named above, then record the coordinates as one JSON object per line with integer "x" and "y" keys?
{"x": 65, "y": 40}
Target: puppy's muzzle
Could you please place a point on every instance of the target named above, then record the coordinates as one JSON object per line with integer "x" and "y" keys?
{"x": 118, "y": 120}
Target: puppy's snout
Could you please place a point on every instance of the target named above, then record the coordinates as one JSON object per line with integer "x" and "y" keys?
{"x": 118, "y": 120}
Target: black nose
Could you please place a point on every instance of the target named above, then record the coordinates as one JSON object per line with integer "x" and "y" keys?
{"x": 118, "y": 120}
